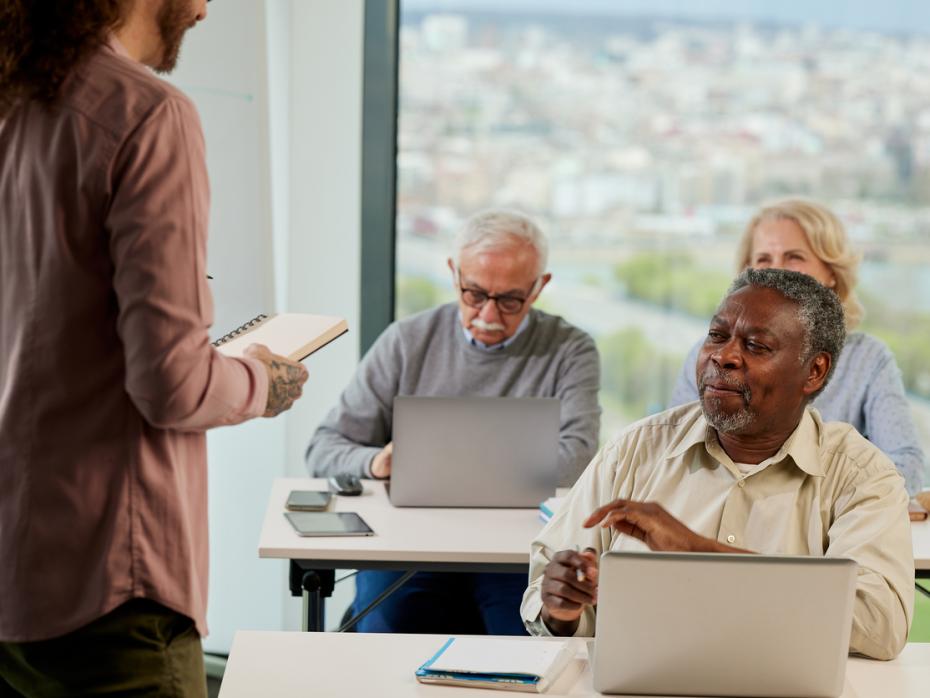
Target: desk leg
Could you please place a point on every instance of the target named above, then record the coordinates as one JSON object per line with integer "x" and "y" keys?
{"x": 316, "y": 586}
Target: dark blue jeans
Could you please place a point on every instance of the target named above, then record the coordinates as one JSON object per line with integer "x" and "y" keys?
{"x": 442, "y": 602}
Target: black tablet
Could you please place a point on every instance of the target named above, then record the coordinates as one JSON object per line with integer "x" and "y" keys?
{"x": 328, "y": 523}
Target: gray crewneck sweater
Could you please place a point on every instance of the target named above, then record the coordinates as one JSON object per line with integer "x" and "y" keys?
{"x": 427, "y": 354}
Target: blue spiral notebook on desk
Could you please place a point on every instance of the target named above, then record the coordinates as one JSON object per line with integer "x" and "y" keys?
{"x": 527, "y": 665}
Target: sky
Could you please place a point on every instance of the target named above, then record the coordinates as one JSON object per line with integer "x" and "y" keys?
{"x": 907, "y": 16}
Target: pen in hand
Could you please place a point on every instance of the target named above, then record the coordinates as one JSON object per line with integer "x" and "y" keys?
{"x": 579, "y": 572}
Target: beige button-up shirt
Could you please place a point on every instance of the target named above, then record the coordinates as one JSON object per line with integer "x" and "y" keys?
{"x": 108, "y": 380}
{"x": 827, "y": 492}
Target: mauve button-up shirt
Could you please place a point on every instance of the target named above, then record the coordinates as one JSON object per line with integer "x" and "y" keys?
{"x": 108, "y": 380}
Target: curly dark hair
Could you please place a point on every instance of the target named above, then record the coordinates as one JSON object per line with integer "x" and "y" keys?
{"x": 41, "y": 41}
{"x": 819, "y": 311}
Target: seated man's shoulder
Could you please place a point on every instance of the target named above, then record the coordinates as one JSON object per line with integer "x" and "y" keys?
{"x": 557, "y": 330}
{"x": 417, "y": 331}
{"x": 665, "y": 428}
{"x": 850, "y": 457}
{"x": 425, "y": 321}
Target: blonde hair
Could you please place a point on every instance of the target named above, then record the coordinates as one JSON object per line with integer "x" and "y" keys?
{"x": 827, "y": 238}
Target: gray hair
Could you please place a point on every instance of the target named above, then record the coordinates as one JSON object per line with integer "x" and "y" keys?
{"x": 498, "y": 227}
{"x": 819, "y": 310}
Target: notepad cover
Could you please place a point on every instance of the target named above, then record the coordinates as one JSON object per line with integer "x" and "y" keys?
{"x": 294, "y": 335}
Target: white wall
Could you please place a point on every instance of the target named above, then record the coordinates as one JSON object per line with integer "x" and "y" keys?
{"x": 325, "y": 190}
{"x": 278, "y": 87}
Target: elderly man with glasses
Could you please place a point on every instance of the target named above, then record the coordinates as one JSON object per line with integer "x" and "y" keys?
{"x": 492, "y": 343}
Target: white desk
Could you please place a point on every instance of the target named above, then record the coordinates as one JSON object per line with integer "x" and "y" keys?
{"x": 451, "y": 540}
{"x": 920, "y": 535}
{"x": 358, "y": 664}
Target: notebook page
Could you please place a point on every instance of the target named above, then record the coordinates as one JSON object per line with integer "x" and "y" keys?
{"x": 294, "y": 335}
{"x": 486, "y": 655}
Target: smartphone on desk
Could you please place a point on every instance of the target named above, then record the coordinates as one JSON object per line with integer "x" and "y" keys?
{"x": 306, "y": 500}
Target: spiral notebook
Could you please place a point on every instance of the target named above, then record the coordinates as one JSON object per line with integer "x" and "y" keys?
{"x": 528, "y": 665}
{"x": 294, "y": 335}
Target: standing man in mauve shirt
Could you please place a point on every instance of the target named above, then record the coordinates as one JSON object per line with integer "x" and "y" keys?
{"x": 108, "y": 381}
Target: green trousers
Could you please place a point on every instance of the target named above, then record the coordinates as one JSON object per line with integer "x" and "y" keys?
{"x": 139, "y": 649}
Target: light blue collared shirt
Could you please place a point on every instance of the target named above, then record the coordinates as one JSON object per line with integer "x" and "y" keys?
{"x": 470, "y": 338}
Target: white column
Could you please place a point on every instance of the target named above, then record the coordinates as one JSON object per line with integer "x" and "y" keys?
{"x": 278, "y": 87}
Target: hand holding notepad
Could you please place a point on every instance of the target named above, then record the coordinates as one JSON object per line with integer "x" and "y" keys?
{"x": 285, "y": 379}
{"x": 294, "y": 335}
{"x": 288, "y": 336}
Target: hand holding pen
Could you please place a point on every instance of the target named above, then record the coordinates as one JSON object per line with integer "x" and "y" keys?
{"x": 569, "y": 584}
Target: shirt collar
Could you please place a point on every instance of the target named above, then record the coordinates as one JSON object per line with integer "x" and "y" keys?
{"x": 803, "y": 445}
{"x": 470, "y": 338}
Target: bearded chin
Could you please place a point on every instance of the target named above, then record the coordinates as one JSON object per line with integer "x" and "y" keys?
{"x": 723, "y": 421}
{"x": 173, "y": 22}
{"x": 170, "y": 58}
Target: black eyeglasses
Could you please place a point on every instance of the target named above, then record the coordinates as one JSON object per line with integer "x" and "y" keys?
{"x": 506, "y": 303}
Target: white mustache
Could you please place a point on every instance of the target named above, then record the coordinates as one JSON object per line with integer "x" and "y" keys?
{"x": 487, "y": 326}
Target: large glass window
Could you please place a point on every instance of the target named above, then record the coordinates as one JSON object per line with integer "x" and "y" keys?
{"x": 643, "y": 135}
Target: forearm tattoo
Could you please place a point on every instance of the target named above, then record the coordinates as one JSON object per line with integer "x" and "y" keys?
{"x": 284, "y": 387}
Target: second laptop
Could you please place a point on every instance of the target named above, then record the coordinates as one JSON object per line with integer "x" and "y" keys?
{"x": 474, "y": 451}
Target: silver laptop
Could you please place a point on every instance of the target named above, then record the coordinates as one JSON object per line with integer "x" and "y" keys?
{"x": 724, "y": 625}
{"x": 474, "y": 451}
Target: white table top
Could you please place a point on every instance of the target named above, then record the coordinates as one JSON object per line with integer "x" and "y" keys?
{"x": 357, "y": 664}
{"x": 920, "y": 535}
{"x": 402, "y": 533}
{"x": 431, "y": 535}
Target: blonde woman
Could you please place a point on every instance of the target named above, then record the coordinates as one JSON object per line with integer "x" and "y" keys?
{"x": 866, "y": 390}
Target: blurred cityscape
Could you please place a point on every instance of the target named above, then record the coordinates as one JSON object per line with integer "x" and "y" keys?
{"x": 643, "y": 145}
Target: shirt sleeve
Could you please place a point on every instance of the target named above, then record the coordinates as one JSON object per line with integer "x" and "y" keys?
{"x": 157, "y": 223}
{"x": 606, "y": 478}
{"x": 871, "y": 526}
{"x": 360, "y": 424}
{"x": 888, "y": 422}
{"x": 686, "y": 386}
{"x": 578, "y": 385}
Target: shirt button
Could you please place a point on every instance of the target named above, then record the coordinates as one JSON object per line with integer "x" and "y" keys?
{"x": 731, "y": 538}
{"x": 741, "y": 483}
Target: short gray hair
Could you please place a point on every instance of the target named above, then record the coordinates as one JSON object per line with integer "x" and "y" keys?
{"x": 819, "y": 310}
{"x": 497, "y": 227}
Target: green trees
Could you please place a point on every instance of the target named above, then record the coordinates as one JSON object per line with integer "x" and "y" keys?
{"x": 636, "y": 376}
{"x": 671, "y": 280}
{"x": 415, "y": 293}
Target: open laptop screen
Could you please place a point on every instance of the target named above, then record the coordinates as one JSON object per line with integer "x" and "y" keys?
{"x": 474, "y": 451}
{"x": 723, "y": 624}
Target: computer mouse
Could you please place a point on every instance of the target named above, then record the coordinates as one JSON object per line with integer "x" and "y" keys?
{"x": 345, "y": 484}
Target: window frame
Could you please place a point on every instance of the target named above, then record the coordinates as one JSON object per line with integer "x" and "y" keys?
{"x": 379, "y": 169}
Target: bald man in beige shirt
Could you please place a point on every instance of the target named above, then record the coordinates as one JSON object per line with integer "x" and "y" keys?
{"x": 749, "y": 468}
